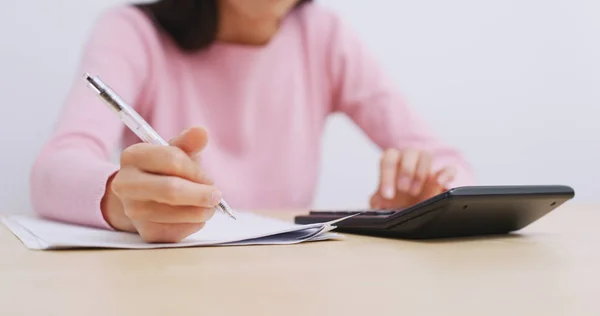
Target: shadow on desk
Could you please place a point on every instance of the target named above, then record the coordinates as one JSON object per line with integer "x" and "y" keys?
{"x": 505, "y": 237}
{"x": 445, "y": 240}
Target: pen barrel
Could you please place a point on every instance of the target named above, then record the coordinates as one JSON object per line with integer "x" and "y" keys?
{"x": 140, "y": 128}
{"x": 134, "y": 121}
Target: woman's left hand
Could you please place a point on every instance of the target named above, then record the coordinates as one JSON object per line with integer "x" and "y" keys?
{"x": 407, "y": 178}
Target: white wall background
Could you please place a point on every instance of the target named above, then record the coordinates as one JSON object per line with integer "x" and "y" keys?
{"x": 468, "y": 66}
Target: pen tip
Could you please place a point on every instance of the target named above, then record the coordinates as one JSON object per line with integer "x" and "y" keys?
{"x": 230, "y": 213}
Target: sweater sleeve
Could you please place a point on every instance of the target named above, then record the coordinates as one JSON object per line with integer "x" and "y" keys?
{"x": 68, "y": 178}
{"x": 364, "y": 93}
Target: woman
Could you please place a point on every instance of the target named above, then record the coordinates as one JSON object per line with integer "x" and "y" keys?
{"x": 260, "y": 77}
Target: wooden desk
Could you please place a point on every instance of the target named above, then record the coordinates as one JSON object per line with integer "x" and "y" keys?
{"x": 551, "y": 269}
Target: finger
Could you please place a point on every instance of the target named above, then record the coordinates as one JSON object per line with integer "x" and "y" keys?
{"x": 168, "y": 214}
{"x": 163, "y": 160}
{"x": 430, "y": 189}
{"x": 131, "y": 183}
{"x": 388, "y": 167}
{"x": 406, "y": 170}
{"x": 165, "y": 233}
{"x": 421, "y": 172}
{"x": 192, "y": 141}
{"x": 434, "y": 186}
{"x": 445, "y": 177}
{"x": 376, "y": 201}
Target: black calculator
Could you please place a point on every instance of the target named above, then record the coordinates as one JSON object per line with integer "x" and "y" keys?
{"x": 459, "y": 212}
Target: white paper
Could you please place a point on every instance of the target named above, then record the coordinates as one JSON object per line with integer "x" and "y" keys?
{"x": 249, "y": 229}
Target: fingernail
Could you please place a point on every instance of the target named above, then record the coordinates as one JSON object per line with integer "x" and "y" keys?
{"x": 216, "y": 197}
{"x": 388, "y": 192}
{"x": 185, "y": 131}
{"x": 403, "y": 184}
{"x": 175, "y": 138}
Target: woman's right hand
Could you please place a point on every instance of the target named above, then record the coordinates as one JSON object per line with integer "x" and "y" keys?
{"x": 161, "y": 192}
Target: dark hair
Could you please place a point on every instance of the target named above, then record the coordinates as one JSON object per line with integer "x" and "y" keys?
{"x": 192, "y": 24}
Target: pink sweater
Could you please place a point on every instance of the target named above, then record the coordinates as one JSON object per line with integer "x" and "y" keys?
{"x": 264, "y": 107}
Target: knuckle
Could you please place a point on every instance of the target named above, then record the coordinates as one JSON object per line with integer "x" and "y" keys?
{"x": 421, "y": 175}
{"x": 130, "y": 154}
{"x": 127, "y": 157}
{"x": 391, "y": 152}
{"x": 410, "y": 157}
{"x": 388, "y": 164}
{"x": 426, "y": 161}
{"x": 410, "y": 151}
{"x": 170, "y": 188}
{"x": 425, "y": 164}
{"x": 406, "y": 170}
{"x": 119, "y": 184}
{"x": 390, "y": 158}
{"x": 426, "y": 155}
{"x": 123, "y": 181}
{"x": 205, "y": 199}
{"x": 175, "y": 160}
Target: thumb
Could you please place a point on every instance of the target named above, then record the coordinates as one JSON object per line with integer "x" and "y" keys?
{"x": 191, "y": 141}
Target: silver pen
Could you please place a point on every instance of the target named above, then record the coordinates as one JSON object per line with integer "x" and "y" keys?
{"x": 134, "y": 121}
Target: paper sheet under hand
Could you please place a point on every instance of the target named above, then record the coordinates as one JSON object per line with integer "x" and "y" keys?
{"x": 249, "y": 229}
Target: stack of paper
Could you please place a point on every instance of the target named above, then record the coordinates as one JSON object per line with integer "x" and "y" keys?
{"x": 249, "y": 229}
